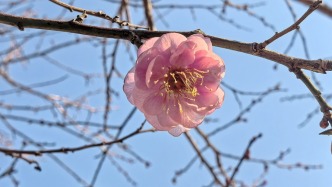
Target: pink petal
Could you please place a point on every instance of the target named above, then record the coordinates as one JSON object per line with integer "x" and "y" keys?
{"x": 185, "y": 114}
{"x": 205, "y": 61}
{"x": 139, "y": 96}
{"x": 155, "y": 72}
{"x": 177, "y": 130}
{"x": 215, "y": 61}
{"x": 169, "y": 41}
{"x": 165, "y": 120}
{"x": 208, "y": 101}
{"x": 203, "y": 43}
{"x": 147, "y": 45}
{"x": 211, "y": 82}
{"x": 129, "y": 85}
{"x": 216, "y": 57}
{"x": 161, "y": 122}
{"x": 208, "y": 42}
{"x": 175, "y": 111}
{"x": 134, "y": 95}
{"x": 153, "y": 120}
{"x": 153, "y": 104}
{"x": 184, "y": 55}
{"x": 215, "y": 71}
{"x": 194, "y": 117}
{"x": 221, "y": 96}
{"x": 142, "y": 64}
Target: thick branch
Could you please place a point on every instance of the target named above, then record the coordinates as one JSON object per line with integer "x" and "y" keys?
{"x": 320, "y": 66}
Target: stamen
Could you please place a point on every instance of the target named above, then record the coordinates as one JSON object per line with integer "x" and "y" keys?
{"x": 173, "y": 75}
{"x": 180, "y": 107}
{"x": 183, "y": 82}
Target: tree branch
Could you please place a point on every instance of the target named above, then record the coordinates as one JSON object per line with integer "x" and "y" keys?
{"x": 324, "y": 106}
{"x": 294, "y": 26}
{"x": 99, "y": 14}
{"x": 246, "y": 155}
{"x": 323, "y": 8}
{"x": 205, "y": 162}
{"x": 71, "y": 149}
{"x": 320, "y": 66}
{"x": 148, "y": 14}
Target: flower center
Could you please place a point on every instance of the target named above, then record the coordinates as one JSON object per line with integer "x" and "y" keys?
{"x": 183, "y": 82}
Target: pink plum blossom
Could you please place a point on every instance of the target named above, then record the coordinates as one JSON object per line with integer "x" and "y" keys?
{"x": 175, "y": 81}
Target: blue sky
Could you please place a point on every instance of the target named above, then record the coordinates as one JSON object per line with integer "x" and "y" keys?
{"x": 278, "y": 121}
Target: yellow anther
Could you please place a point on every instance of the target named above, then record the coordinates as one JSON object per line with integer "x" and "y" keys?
{"x": 180, "y": 107}
{"x": 173, "y": 75}
{"x": 183, "y": 83}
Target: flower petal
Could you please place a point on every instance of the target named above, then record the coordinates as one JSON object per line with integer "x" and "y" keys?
{"x": 184, "y": 55}
{"x": 139, "y": 96}
{"x": 169, "y": 41}
{"x": 165, "y": 120}
{"x": 153, "y": 104}
{"x": 142, "y": 64}
{"x": 147, "y": 45}
{"x": 221, "y": 95}
{"x": 215, "y": 60}
{"x": 185, "y": 114}
{"x": 155, "y": 72}
{"x": 177, "y": 130}
{"x": 207, "y": 99}
{"x": 215, "y": 71}
{"x": 153, "y": 120}
{"x": 208, "y": 102}
{"x": 129, "y": 84}
{"x": 202, "y": 43}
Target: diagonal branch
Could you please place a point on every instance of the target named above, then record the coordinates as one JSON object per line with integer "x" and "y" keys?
{"x": 294, "y": 26}
{"x": 244, "y": 156}
{"x": 205, "y": 162}
{"x": 324, "y": 106}
{"x": 323, "y": 8}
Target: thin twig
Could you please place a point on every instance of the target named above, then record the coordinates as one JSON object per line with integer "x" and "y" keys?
{"x": 215, "y": 151}
{"x": 244, "y": 156}
{"x": 99, "y": 14}
{"x": 205, "y": 162}
{"x": 71, "y": 149}
{"x": 324, "y": 8}
{"x": 239, "y": 117}
{"x": 294, "y": 26}
{"x": 148, "y": 14}
{"x": 101, "y": 161}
